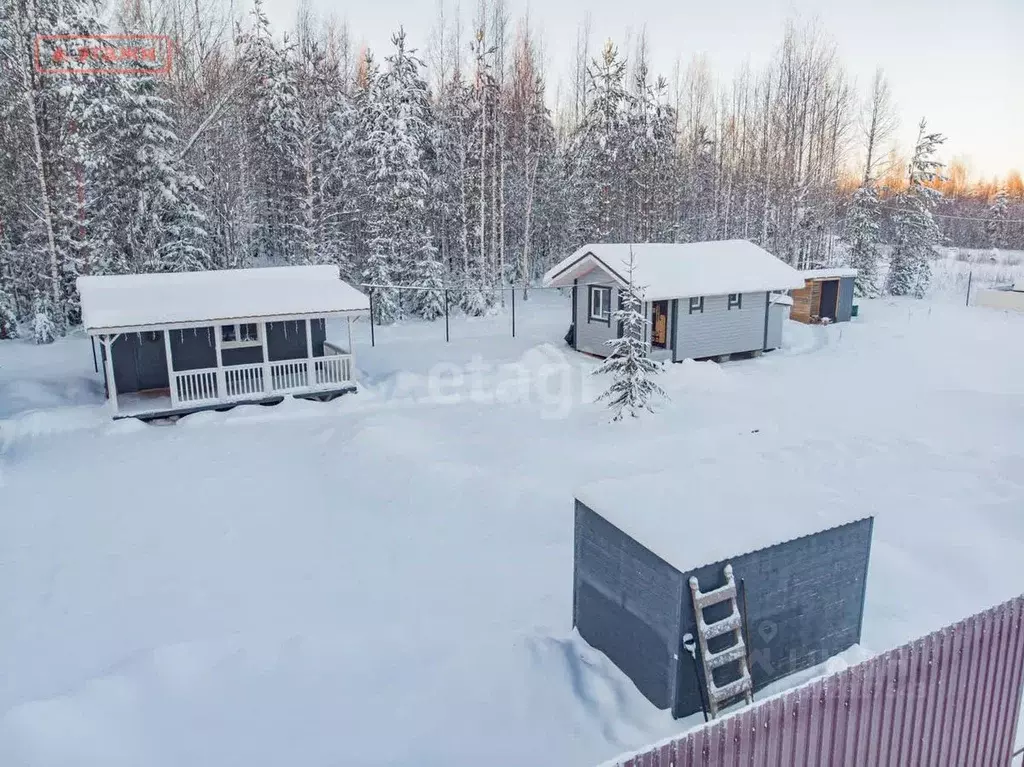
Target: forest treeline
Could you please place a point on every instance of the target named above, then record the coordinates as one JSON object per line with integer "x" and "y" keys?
{"x": 450, "y": 162}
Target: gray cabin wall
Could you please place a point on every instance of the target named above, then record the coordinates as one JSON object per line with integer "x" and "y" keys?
{"x": 805, "y": 603}
{"x": 193, "y": 348}
{"x": 287, "y": 340}
{"x": 591, "y": 335}
{"x": 139, "y": 362}
{"x": 626, "y": 604}
{"x": 844, "y": 307}
{"x": 776, "y": 319}
{"x": 719, "y": 330}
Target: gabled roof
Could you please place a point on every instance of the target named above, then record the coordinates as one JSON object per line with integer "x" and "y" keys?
{"x": 671, "y": 270}
{"x": 114, "y": 302}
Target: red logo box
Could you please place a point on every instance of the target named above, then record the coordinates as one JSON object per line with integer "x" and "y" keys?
{"x": 102, "y": 54}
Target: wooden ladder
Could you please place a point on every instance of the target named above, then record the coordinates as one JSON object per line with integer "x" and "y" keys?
{"x": 733, "y": 653}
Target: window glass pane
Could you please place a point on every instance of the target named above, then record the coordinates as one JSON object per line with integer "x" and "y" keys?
{"x": 249, "y": 332}
{"x": 227, "y": 333}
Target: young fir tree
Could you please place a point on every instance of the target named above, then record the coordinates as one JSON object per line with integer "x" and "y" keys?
{"x": 43, "y": 330}
{"x": 630, "y": 367}
{"x": 915, "y": 232}
{"x": 995, "y": 227}
{"x": 863, "y": 238}
{"x": 8, "y": 314}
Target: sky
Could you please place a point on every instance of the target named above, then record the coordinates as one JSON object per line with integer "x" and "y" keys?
{"x": 958, "y": 63}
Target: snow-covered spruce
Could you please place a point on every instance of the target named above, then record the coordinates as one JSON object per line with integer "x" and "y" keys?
{"x": 863, "y": 238}
{"x": 43, "y": 331}
{"x": 631, "y": 369}
{"x": 915, "y": 232}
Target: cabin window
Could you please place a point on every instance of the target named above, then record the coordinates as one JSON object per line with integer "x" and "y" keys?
{"x": 243, "y": 334}
{"x": 600, "y": 304}
{"x": 735, "y": 300}
{"x": 697, "y": 305}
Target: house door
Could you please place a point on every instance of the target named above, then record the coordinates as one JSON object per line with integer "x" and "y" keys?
{"x": 151, "y": 361}
{"x": 829, "y": 299}
{"x": 659, "y": 324}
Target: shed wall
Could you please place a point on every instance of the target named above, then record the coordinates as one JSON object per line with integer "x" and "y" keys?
{"x": 844, "y": 309}
{"x": 805, "y": 601}
{"x": 626, "y": 603}
{"x": 718, "y": 329}
{"x": 592, "y": 335}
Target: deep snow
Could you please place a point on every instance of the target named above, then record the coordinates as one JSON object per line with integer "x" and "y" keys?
{"x": 386, "y": 579}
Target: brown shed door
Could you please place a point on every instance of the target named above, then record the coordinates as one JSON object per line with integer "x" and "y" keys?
{"x": 659, "y": 323}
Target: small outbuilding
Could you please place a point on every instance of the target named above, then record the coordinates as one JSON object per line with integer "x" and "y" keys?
{"x": 1007, "y": 297}
{"x": 701, "y": 299}
{"x": 636, "y": 544}
{"x": 826, "y": 296}
{"x": 178, "y": 343}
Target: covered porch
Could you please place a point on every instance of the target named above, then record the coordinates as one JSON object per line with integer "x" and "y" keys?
{"x": 186, "y": 369}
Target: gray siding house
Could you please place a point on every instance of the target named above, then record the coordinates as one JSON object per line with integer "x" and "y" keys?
{"x": 172, "y": 344}
{"x": 634, "y": 551}
{"x": 703, "y": 299}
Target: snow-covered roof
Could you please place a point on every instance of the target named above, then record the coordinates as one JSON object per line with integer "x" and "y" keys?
{"x": 782, "y": 298}
{"x": 113, "y": 302}
{"x": 680, "y": 270}
{"x": 699, "y": 523}
{"x": 829, "y": 273}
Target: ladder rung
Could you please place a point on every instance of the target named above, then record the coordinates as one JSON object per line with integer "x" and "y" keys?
{"x": 726, "y": 656}
{"x": 724, "y": 626}
{"x": 715, "y": 596}
{"x": 731, "y": 690}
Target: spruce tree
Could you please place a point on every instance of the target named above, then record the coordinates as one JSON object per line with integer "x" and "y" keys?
{"x": 629, "y": 365}
{"x": 915, "y": 232}
{"x": 863, "y": 238}
{"x": 995, "y": 227}
{"x": 43, "y": 330}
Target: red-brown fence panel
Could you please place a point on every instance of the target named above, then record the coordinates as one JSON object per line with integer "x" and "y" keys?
{"x": 951, "y": 697}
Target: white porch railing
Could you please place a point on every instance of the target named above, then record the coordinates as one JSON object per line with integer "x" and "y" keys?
{"x": 199, "y": 387}
{"x": 196, "y": 386}
{"x": 243, "y": 380}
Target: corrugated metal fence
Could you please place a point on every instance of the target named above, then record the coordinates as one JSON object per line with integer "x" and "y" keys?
{"x": 950, "y": 698}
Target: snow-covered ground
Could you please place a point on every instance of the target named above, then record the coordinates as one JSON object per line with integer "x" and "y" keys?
{"x": 386, "y": 579}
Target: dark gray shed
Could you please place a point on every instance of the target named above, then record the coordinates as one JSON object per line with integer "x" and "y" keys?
{"x": 804, "y": 576}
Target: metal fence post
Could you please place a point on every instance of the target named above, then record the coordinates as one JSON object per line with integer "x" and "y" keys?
{"x": 513, "y": 311}
{"x": 372, "y": 340}
{"x": 447, "y": 336}
{"x": 970, "y": 276}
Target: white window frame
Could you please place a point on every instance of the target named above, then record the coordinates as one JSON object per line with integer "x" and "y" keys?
{"x": 697, "y": 308}
{"x": 603, "y": 305}
{"x": 238, "y": 343}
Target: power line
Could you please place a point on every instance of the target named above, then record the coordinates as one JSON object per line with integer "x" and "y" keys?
{"x": 965, "y": 218}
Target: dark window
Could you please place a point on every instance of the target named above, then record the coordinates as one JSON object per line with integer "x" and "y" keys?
{"x": 227, "y": 333}
{"x": 600, "y": 304}
{"x": 249, "y": 332}
{"x": 697, "y": 305}
{"x": 735, "y": 300}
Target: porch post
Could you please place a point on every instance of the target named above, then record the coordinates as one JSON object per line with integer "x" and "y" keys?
{"x": 348, "y": 320}
{"x": 310, "y": 371}
{"x": 172, "y": 384}
{"x": 222, "y": 391}
{"x": 350, "y": 367}
{"x": 267, "y": 388}
{"x": 107, "y": 343}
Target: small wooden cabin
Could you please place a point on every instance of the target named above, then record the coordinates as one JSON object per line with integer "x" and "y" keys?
{"x": 172, "y": 344}
{"x": 700, "y": 299}
{"x": 827, "y": 296}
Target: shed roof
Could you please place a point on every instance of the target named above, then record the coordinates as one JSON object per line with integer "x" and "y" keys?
{"x": 705, "y": 522}
{"x": 112, "y": 302}
{"x": 828, "y": 273}
{"x": 679, "y": 270}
